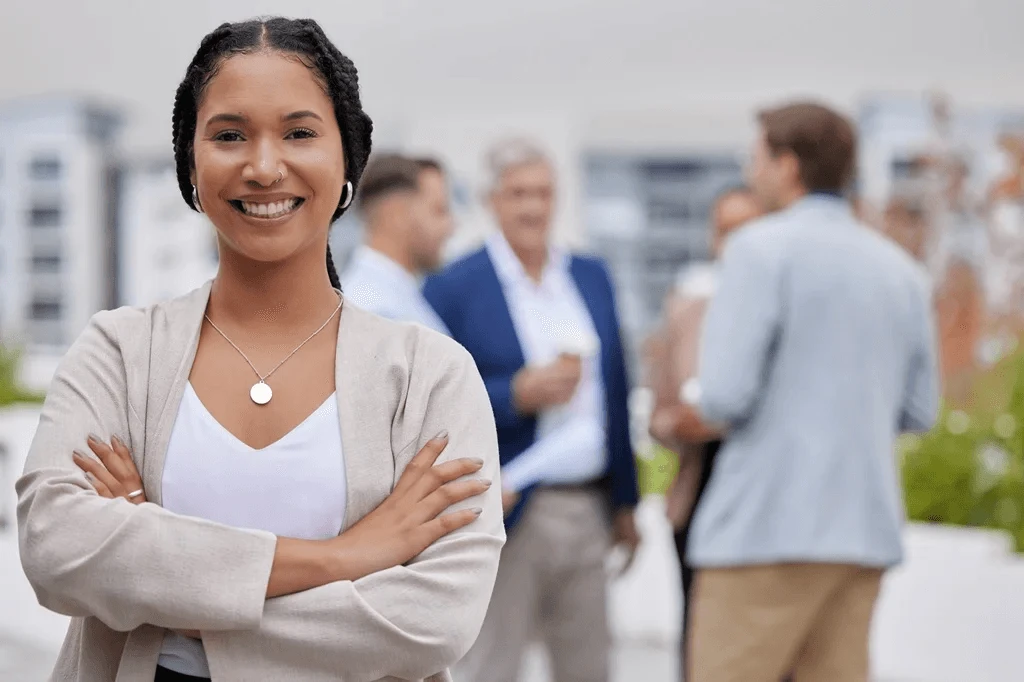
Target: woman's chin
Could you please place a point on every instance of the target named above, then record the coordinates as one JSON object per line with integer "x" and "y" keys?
{"x": 266, "y": 250}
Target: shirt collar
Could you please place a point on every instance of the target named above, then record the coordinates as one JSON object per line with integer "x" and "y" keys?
{"x": 822, "y": 201}
{"x": 384, "y": 266}
{"x": 510, "y": 269}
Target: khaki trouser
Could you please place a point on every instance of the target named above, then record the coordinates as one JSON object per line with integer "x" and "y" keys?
{"x": 757, "y": 623}
{"x": 551, "y": 585}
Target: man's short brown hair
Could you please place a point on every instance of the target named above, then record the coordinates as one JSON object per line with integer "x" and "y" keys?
{"x": 823, "y": 141}
{"x": 387, "y": 174}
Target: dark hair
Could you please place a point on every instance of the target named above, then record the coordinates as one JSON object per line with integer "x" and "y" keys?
{"x": 429, "y": 163}
{"x": 302, "y": 37}
{"x": 387, "y": 174}
{"x": 823, "y": 142}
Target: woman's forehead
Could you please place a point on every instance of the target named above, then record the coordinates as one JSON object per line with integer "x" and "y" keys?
{"x": 265, "y": 81}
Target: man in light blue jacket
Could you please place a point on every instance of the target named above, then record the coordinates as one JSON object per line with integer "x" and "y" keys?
{"x": 818, "y": 350}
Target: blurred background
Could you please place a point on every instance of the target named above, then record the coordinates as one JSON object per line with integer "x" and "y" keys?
{"x": 647, "y": 108}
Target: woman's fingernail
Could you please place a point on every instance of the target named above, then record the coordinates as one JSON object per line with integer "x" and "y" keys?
{"x": 94, "y": 438}
{"x": 487, "y": 484}
{"x": 116, "y": 441}
{"x": 77, "y": 455}
{"x": 441, "y": 436}
{"x": 477, "y": 511}
{"x": 477, "y": 461}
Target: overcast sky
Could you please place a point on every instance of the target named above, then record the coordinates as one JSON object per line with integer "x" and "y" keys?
{"x": 420, "y": 58}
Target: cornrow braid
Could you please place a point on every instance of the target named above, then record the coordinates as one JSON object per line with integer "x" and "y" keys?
{"x": 302, "y": 37}
{"x": 186, "y": 105}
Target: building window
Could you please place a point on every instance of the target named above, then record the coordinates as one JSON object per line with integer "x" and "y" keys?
{"x": 46, "y": 263}
{"x": 44, "y": 168}
{"x": 44, "y": 216}
{"x": 46, "y": 310}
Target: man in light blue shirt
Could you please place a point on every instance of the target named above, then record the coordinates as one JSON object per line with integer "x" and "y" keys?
{"x": 404, "y": 203}
{"x": 817, "y": 351}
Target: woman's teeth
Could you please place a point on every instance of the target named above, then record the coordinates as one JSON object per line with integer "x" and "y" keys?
{"x": 274, "y": 209}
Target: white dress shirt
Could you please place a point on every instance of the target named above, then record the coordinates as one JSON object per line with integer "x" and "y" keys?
{"x": 551, "y": 318}
{"x": 378, "y": 284}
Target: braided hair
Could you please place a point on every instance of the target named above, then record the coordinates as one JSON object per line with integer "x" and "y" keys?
{"x": 302, "y": 37}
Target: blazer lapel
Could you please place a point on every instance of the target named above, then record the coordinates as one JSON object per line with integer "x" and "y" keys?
{"x": 173, "y": 343}
{"x": 364, "y": 416}
{"x": 500, "y": 337}
{"x": 595, "y": 306}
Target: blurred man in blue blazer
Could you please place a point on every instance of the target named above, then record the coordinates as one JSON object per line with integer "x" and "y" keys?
{"x": 542, "y": 326}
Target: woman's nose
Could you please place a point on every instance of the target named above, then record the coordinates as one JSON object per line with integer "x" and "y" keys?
{"x": 265, "y": 168}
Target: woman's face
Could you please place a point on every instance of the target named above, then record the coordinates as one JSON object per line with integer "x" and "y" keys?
{"x": 269, "y": 163}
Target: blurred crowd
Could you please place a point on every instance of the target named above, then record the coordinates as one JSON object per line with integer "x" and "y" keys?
{"x": 782, "y": 372}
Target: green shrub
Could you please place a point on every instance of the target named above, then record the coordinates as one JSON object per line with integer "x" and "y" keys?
{"x": 969, "y": 470}
{"x": 11, "y": 391}
{"x": 655, "y": 470}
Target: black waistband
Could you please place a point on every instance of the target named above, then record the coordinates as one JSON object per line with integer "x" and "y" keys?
{"x": 165, "y": 675}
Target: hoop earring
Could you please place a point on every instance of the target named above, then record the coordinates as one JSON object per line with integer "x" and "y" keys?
{"x": 195, "y": 200}
{"x": 347, "y": 194}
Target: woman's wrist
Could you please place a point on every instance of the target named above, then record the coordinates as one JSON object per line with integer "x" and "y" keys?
{"x": 343, "y": 561}
{"x": 301, "y": 565}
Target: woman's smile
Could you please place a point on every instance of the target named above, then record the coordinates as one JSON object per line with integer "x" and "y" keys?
{"x": 269, "y": 208}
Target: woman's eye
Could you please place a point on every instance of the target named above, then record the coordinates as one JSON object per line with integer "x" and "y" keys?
{"x": 228, "y": 136}
{"x": 301, "y": 134}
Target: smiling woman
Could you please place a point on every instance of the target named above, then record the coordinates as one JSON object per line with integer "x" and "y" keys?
{"x": 280, "y": 485}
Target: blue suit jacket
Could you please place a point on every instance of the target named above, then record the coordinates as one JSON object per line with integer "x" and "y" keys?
{"x": 469, "y": 298}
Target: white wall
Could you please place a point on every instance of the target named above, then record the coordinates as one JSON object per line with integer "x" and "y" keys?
{"x": 656, "y": 57}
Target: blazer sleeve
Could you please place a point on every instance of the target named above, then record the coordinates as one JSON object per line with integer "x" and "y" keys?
{"x": 499, "y": 386}
{"x": 501, "y": 395}
{"x": 124, "y": 564}
{"x": 406, "y": 622}
{"x": 740, "y": 326}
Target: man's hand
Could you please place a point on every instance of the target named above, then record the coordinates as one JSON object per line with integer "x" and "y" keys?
{"x": 537, "y": 388}
{"x": 688, "y": 426}
{"x": 624, "y": 533}
{"x": 509, "y": 498}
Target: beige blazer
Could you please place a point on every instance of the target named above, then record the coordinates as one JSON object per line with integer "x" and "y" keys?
{"x": 126, "y": 572}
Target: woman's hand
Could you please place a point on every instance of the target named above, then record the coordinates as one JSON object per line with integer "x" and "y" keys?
{"x": 114, "y": 475}
{"x": 410, "y": 519}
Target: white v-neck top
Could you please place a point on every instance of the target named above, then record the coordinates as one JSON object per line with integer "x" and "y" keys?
{"x": 294, "y": 487}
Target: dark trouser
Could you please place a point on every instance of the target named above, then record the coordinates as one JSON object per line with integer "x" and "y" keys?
{"x": 682, "y": 535}
{"x": 165, "y": 675}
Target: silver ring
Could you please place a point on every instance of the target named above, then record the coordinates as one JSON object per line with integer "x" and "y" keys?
{"x": 132, "y": 496}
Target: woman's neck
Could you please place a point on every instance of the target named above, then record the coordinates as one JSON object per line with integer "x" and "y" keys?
{"x": 272, "y": 297}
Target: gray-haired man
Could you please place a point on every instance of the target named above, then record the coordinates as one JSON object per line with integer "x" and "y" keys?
{"x": 541, "y": 325}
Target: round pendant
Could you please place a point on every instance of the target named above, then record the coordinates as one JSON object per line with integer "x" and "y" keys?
{"x": 261, "y": 393}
